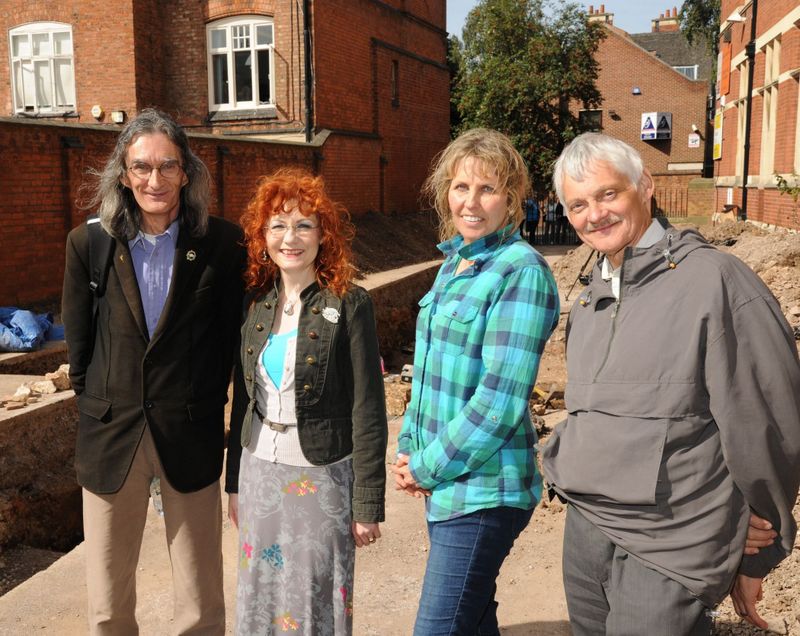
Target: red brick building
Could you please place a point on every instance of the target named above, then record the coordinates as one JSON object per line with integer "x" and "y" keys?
{"x": 647, "y": 74}
{"x": 234, "y": 73}
{"x": 762, "y": 37}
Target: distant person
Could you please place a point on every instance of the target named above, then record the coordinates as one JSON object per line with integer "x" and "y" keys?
{"x": 683, "y": 401}
{"x": 467, "y": 441}
{"x": 548, "y": 237}
{"x": 561, "y": 224}
{"x": 531, "y": 218}
{"x": 306, "y": 466}
{"x": 151, "y": 371}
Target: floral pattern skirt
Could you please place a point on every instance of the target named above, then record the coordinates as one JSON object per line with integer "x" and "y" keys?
{"x": 296, "y": 550}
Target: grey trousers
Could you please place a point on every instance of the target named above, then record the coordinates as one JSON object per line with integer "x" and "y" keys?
{"x": 611, "y": 592}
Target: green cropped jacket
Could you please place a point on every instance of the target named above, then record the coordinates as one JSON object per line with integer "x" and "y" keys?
{"x": 339, "y": 395}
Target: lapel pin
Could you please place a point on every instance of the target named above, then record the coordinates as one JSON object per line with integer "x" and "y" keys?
{"x": 330, "y": 314}
{"x": 191, "y": 255}
{"x": 122, "y": 258}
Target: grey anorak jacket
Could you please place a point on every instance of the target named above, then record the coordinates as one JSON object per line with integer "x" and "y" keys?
{"x": 683, "y": 402}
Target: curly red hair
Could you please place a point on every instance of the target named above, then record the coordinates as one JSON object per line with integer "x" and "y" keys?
{"x": 334, "y": 268}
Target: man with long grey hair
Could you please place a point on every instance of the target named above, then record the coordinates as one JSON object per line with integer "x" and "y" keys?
{"x": 150, "y": 361}
{"x": 683, "y": 400}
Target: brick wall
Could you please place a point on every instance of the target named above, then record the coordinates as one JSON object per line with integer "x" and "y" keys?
{"x": 623, "y": 66}
{"x": 130, "y": 54}
{"x": 765, "y": 203}
{"x": 47, "y": 164}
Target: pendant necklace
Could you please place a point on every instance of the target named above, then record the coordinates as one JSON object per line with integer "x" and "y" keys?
{"x": 288, "y": 306}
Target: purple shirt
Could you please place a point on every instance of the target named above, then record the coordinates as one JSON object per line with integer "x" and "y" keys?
{"x": 152, "y": 263}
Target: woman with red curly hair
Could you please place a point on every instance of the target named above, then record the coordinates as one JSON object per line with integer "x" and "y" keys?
{"x": 307, "y": 447}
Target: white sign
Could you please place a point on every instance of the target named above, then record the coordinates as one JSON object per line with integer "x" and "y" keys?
{"x": 648, "y": 126}
{"x": 656, "y": 126}
{"x": 694, "y": 140}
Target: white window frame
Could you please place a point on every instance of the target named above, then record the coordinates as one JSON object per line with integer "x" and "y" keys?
{"x": 741, "y": 119}
{"x": 239, "y": 36}
{"x": 689, "y": 72}
{"x": 772, "y": 52}
{"x": 28, "y": 95}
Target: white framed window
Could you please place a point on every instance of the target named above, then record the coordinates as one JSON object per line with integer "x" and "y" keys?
{"x": 741, "y": 119}
{"x": 42, "y": 68}
{"x": 241, "y": 63}
{"x": 772, "y": 66}
{"x": 687, "y": 71}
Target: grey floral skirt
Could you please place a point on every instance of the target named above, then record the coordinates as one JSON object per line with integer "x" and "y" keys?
{"x": 296, "y": 550}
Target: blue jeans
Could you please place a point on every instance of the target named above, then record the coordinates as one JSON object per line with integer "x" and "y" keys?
{"x": 463, "y": 563}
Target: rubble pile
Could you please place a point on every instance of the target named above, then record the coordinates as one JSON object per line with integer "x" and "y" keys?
{"x": 30, "y": 392}
{"x": 775, "y": 257}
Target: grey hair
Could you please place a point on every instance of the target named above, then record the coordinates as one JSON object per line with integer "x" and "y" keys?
{"x": 116, "y": 206}
{"x": 498, "y": 157}
{"x": 582, "y": 153}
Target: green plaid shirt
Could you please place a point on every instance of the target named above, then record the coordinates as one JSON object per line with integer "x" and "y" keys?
{"x": 480, "y": 335}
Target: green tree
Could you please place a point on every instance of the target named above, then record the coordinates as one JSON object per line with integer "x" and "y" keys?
{"x": 454, "y": 64}
{"x": 522, "y": 64}
{"x": 700, "y": 22}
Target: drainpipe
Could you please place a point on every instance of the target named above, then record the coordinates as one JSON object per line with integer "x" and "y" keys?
{"x": 750, "y": 51}
{"x": 309, "y": 79}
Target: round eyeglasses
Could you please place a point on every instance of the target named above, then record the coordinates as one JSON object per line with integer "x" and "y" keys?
{"x": 168, "y": 170}
{"x": 302, "y": 229}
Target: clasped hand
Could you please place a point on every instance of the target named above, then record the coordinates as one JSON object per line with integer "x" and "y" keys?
{"x": 404, "y": 480}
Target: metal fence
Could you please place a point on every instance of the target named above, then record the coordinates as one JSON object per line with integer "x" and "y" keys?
{"x": 672, "y": 202}
{"x": 552, "y": 228}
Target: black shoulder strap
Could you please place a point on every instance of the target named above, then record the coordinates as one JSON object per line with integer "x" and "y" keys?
{"x": 101, "y": 247}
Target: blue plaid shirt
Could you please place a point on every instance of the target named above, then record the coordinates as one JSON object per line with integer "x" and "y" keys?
{"x": 480, "y": 335}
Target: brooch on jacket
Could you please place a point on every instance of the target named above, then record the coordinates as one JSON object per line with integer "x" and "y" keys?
{"x": 330, "y": 314}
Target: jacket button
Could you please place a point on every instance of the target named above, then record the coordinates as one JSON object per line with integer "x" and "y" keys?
{"x": 248, "y": 377}
{"x": 268, "y": 305}
{"x": 315, "y": 310}
{"x": 250, "y": 350}
{"x": 148, "y": 404}
{"x": 313, "y": 335}
{"x": 259, "y": 327}
{"x": 306, "y": 387}
{"x": 310, "y": 360}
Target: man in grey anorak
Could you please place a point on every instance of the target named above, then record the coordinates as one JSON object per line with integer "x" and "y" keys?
{"x": 683, "y": 400}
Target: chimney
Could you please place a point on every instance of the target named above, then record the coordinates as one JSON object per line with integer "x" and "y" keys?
{"x": 600, "y": 15}
{"x": 667, "y": 21}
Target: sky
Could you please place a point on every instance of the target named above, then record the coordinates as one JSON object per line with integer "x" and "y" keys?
{"x": 632, "y": 16}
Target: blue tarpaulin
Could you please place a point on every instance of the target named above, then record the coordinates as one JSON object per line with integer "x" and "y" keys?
{"x": 22, "y": 330}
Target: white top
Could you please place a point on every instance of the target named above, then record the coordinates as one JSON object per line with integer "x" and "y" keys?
{"x": 277, "y": 405}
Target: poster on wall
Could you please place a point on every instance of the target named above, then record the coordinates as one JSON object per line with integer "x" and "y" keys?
{"x": 718, "y": 135}
{"x": 694, "y": 140}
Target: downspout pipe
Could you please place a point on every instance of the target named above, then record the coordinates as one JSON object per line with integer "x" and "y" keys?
{"x": 308, "y": 78}
{"x": 750, "y": 51}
